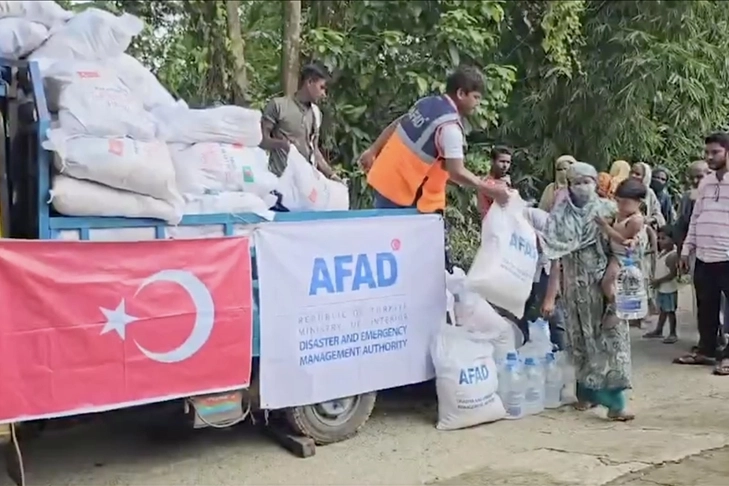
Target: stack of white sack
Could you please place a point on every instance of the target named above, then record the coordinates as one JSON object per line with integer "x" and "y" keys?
{"x": 216, "y": 156}
{"x": 304, "y": 188}
{"x": 505, "y": 264}
{"x": 24, "y": 25}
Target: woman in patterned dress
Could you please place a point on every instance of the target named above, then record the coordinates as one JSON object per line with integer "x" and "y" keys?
{"x": 599, "y": 348}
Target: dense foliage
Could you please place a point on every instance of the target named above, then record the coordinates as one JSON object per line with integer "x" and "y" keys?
{"x": 600, "y": 79}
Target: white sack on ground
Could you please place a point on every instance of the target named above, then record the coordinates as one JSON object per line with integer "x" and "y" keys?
{"x": 465, "y": 379}
{"x": 142, "y": 167}
{"x": 503, "y": 269}
{"x": 44, "y": 12}
{"x": 92, "y": 35}
{"x": 92, "y": 100}
{"x": 304, "y": 188}
{"x": 205, "y": 168}
{"x": 475, "y": 314}
{"x": 141, "y": 82}
{"x": 19, "y": 36}
{"x": 232, "y": 203}
{"x": 223, "y": 124}
{"x": 74, "y": 197}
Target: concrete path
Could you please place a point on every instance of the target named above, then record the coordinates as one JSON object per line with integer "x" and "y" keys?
{"x": 682, "y": 412}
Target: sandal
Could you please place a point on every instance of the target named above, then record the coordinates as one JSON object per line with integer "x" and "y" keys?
{"x": 621, "y": 416}
{"x": 653, "y": 334}
{"x": 694, "y": 359}
{"x": 722, "y": 369}
{"x": 672, "y": 339}
{"x": 583, "y": 406}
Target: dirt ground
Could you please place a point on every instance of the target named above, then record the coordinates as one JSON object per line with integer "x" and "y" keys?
{"x": 680, "y": 438}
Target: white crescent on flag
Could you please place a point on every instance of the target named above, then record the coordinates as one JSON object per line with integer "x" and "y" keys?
{"x": 118, "y": 319}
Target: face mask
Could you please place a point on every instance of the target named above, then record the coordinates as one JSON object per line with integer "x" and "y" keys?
{"x": 583, "y": 193}
{"x": 561, "y": 177}
{"x": 657, "y": 185}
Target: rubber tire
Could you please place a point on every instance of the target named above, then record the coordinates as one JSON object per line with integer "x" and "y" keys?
{"x": 305, "y": 422}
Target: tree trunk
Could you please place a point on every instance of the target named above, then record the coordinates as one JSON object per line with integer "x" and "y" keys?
{"x": 291, "y": 46}
{"x": 237, "y": 47}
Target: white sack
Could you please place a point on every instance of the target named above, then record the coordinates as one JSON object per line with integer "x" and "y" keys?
{"x": 304, "y": 188}
{"x": 74, "y": 197}
{"x": 19, "y": 36}
{"x": 141, "y": 82}
{"x": 465, "y": 378}
{"x": 205, "y": 168}
{"x": 92, "y": 100}
{"x": 232, "y": 202}
{"x": 92, "y": 35}
{"x": 142, "y": 167}
{"x": 503, "y": 269}
{"x": 44, "y": 12}
{"x": 475, "y": 314}
{"x": 223, "y": 124}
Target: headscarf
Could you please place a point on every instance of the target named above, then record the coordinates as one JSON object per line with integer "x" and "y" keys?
{"x": 652, "y": 206}
{"x": 550, "y": 194}
{"x": 571, "y": 228}
{"x": 619, "y": 171}
{"x": 603, "y": 184}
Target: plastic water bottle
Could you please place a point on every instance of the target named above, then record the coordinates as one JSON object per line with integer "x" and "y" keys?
{"x": 552, "y": 383}
{"x": 631, "y": 300}
{"x": 511, "y": 388}
{"x": 534, "y": 387}
{"x": 510, "y": 359}
{"x": 569, "y": 380}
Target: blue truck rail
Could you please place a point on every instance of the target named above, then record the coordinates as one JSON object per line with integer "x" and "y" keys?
{"x": 26, "y": 120}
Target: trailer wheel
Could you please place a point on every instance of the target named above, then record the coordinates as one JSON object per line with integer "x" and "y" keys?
{"x": 332, "y": 421}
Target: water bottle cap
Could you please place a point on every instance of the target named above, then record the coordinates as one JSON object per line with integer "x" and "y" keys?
{"x": 511, "y": 356}
{"x": 550, "y": 357}
{"x": 529, "y": 361}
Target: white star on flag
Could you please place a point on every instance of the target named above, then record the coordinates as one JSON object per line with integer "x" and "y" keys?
{"x": 117, "y": 320}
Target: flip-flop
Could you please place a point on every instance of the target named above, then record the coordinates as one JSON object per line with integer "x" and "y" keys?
{"x": 670, "y": 340}
{"x": 694, "y": 359}
{"x": 622, "y": 416}
{"x": 653, "y": 335}
{"x": 722, "y": 369}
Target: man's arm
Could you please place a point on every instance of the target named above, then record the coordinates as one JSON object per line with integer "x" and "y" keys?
{"x": 269, "y": 120}
{"x": 689, "y": 244}
{"x": 368, "y": 156}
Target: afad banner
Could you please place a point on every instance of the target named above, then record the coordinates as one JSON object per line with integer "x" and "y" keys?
{"x": 348, "y": 306}
{"x": 90, "y": 326}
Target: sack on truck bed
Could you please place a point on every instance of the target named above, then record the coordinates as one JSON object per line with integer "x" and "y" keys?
{"x": 44, "y": 12}
{"x": 205, "y": 168}
{"x": 304, "y": 188}
{"x": 142, "y": 167}
{"x": 223, "y": 124}
{"x": 465, "y": 379}
{"x": 141, "y": 82}
{"x": 92, "y": 100}
{"x": 232, "y": 202}
{"x": 92, "y": 35}
{"x": 503, "y": 269}
{"x": 18, "y": 37}
{"x": 74, "y": 197}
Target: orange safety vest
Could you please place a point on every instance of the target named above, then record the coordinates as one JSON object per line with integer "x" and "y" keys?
{"x": 409, "y": 171}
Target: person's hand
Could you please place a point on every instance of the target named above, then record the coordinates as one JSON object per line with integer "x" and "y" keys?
{"x": 367, "y": 159}
{"x": 630, "y": 243}
{"x": 547, "y": 307}
{"x": 683, "y": 264}
{"x": 500, "y": 194}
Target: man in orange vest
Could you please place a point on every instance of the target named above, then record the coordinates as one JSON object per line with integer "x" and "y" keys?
{"x": 411, "y": 161}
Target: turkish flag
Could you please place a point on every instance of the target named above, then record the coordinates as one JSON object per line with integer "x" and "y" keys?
{"x": 92, "y": 326}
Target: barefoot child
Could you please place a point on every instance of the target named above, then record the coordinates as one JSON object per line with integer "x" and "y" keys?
{"x": 627, "y": 231}
{"x": 666, "y": 284}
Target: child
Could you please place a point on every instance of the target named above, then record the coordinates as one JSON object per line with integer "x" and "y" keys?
{"x": 627, "y": 231}
{"x": 666, "y": 284}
